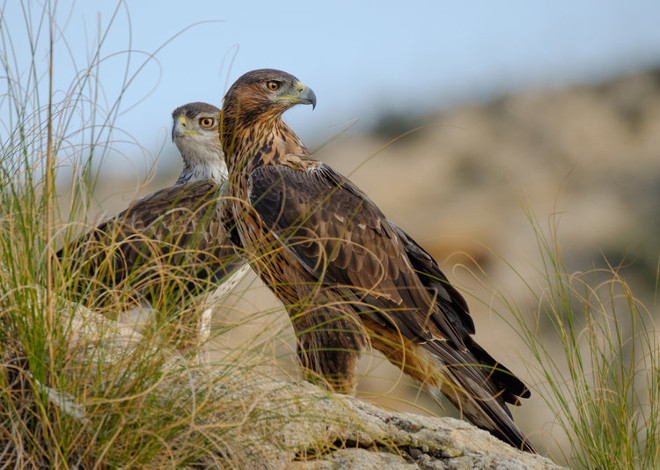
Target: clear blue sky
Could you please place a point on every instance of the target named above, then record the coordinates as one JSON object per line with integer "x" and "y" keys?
{"x": 361, "y": 58}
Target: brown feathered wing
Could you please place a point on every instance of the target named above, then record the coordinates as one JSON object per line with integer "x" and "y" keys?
{"x": 168, "y": 244}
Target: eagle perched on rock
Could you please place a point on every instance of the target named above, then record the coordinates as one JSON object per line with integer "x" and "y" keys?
{"x": 168, "y": 242}
{"x": 347, "y": 275}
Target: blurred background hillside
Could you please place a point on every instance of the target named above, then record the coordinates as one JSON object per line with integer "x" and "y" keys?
{"x": 453, "y": 119}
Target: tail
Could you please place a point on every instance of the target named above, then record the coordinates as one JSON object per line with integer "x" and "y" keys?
{"x": 480, "y": 388}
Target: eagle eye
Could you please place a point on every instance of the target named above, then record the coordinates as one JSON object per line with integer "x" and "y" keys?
{"x": 273, "y": 85}
{"x": 206, "y": 122}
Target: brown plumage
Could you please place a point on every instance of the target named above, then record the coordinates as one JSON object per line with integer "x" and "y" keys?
{"x": 347, "y": 275}
{"x": 168, "y": 246}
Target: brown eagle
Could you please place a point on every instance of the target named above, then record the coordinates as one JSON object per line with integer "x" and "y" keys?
{"x": 347, "y": 275}
{"x": 168, "y": 246}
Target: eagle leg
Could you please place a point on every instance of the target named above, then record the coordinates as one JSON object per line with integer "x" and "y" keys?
{"x": 330, "y": 340}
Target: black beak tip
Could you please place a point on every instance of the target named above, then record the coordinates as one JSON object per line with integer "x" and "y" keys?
{"x": 308, "y": 97}
{"x": 313, "y": 99}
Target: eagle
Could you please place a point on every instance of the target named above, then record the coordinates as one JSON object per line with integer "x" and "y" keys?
{"x": 348, "y": 276}
{"x": 169, "y": 246}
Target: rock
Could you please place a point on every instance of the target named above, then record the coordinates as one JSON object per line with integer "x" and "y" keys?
{"x": 265, "y": 423}
{"x": 319, "y": 430}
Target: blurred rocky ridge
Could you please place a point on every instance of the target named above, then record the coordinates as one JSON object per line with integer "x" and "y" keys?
{"x": 585, "y": 159}
{"x": 590, "y": 154}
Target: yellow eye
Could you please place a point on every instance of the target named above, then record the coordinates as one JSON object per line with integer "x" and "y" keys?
{"x": 206, "y": 122}
{"x": 273, "y": 85}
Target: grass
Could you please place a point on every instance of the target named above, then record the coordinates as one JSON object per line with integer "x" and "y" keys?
{"x": 594, "y": 358}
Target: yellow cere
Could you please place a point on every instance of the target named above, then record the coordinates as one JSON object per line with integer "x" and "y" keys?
{"x": 299, "y": 89}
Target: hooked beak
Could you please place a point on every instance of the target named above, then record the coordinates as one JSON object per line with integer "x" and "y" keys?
{"x": 179, "y": 127}
{"x": 306, "y": 95}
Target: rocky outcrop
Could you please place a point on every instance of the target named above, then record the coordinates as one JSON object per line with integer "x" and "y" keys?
{"x": 260, "y": 422}
{"x": 354, "y": 434}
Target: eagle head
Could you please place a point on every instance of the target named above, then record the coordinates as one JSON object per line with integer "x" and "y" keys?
{"x": 195, "y": 133}
{"x": 264, "y": 92}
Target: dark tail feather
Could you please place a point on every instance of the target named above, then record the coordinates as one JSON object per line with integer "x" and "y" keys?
{"x": 480, "y": 391}
{"x": 512, "y": 389}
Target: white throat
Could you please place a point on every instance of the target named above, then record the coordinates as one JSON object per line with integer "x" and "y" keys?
{"x": 201, "y": 160}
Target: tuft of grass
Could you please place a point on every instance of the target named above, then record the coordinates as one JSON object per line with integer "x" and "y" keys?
{"x": 594, "y": 359}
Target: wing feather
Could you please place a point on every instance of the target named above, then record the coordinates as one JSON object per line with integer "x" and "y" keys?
{"x": 338, "y": 234}
{"x": 175, "y": 230}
